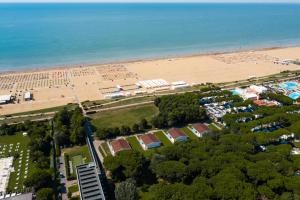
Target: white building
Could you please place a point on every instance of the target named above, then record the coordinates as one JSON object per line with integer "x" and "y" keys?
{"x": 27, "y": 96}
{"x": 178, "y": 85}
{"x": 6, "y": 166}
{"x": 5, "y": 98}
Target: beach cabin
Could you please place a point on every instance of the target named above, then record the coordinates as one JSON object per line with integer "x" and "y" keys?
{"x": 27, "y": 96}
{"x": 4, "y": 99}
{"x": 118, "y": 145}
{"x": 149, "y": 141}
{"x": 199, "y": 129}
{"x": 176, "y": 135}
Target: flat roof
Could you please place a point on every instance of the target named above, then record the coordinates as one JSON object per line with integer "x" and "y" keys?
{"x": 6, "y": 97}
{"x": 89, "y": 182}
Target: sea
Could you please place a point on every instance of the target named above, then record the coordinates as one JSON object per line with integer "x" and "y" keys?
{"x": 46, "y": 35}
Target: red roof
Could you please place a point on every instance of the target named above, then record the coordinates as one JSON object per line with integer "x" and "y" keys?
{"x": 200, "y": 127}
{"x": 264, "y": 103}
{"x": 119, "y": 145}
{"x": 175, "y": 133}
{"x": 149, "y": 138}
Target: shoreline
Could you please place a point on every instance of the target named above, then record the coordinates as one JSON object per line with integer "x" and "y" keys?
{"x": 132, "y": 61}
{"x": 59, "y": 86}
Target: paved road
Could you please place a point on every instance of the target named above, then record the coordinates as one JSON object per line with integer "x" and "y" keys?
{"x": 124, "y": 106}
{"x": 63, "y": 180}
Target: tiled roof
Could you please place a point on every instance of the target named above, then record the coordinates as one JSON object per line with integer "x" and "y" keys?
{"x": 149, "y": 138}
{"x": 119, "y": 145}
{"x": 200, "y": 127}
{"x": 175, "y": 133}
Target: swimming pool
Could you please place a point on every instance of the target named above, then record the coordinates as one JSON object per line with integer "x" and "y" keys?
{"x": 294, "y": 95}
{"x": 289, "y": 85}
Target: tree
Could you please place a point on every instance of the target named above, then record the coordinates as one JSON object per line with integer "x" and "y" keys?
{"x": 170, "y": 170}
{"x": 135, "y": 128}
{"x": 45, "y": 194}
{"x": 143, "y": 124}
{"x": 125, "y": 130}
{"x": 78, "y": 136}
{"x": 38, "y": 179}
{"x": 126, "y": 190}
{"x": 128, "y": 164}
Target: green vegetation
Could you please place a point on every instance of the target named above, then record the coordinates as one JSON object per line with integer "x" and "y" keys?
{"x": 248, "y": 160}
{"x": 189, "y": 133}
{"x": 102, "y": 152}
{"x": 16, "y": 181}
{"x": 123, "y": 117}
{"x": 163, "y": 138}
{"x": 77, "y": 155}
{"x": 134, "y": 143}
{"x": 73, "y": 188}
{"x": 179, "y": 109}
{"x": 69, "y": 127}
{"x": 106, "y": 148}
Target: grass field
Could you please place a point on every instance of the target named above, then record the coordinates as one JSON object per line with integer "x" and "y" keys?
{"x": 22, "y": 163}
{"x": 163, "y": 138}
{"x": 78, "y": 155}
{"x": 101, "y": 151}
{"x": 127, "y": 116}
{"x": 189, "y": 133}
{"x": 73, "y": 188}
{"x": 134, "y": 143}
{"x": 297, "y": 144}
{"x": 106, "y": 148}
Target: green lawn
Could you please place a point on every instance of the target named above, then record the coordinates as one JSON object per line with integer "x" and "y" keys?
{"x": 106, "y": 148}
{"x": 297, "y": 144}
{"x": 78, "y": 155}
{"x": 213, "y": 127}
{"x": 163, "y": 138}
{"x": 134, "y": 143}
{"x": 77, "y": 160}
{"x": 102, "y": 152}
{"x": 20, "y": 163}
{"x": 127, "y": 116}
{"x": 73, "y": 188}
{"x": 189, "y": 133}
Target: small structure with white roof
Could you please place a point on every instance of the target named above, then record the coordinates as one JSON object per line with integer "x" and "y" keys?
{"x": 27, "y": 96}
{"x": 4, "y": 99}
{"x": 178, "y": 85}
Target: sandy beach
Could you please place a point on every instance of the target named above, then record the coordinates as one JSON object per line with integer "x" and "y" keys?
{"x": 59, "y": 86}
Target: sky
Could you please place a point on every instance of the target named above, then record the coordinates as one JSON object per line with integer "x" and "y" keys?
{"x": 111, "y": 1}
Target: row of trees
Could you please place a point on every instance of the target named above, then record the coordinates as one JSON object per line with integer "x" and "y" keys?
{"x": 278, "y": 97}
{"x": 41, "y": 177}
{"x": 179, "y": 109}
{"x": 69, "y": 127}
{"x": 107, "y": 133}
